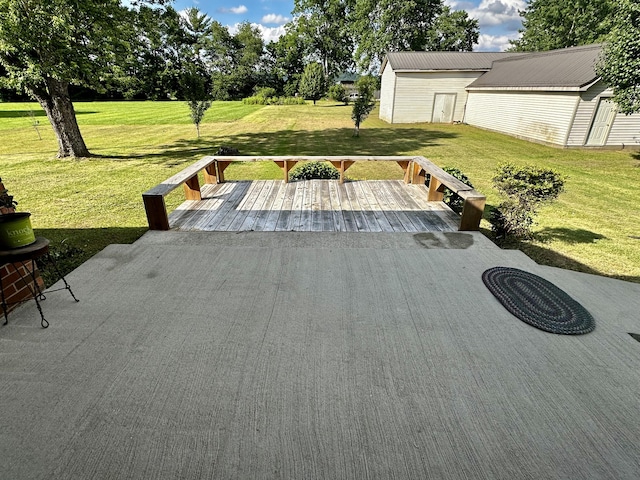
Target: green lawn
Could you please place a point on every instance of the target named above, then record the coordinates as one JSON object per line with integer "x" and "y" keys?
{"x": 83, "y": 205}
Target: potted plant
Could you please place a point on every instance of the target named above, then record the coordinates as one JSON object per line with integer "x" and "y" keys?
{"x": 15, "y": 227}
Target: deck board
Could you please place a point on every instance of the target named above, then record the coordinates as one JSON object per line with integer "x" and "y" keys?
{"x": 314, "y": 205}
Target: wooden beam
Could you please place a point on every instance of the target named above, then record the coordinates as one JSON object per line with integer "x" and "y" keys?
{"x": 221, "y": 166}
{"x": 404, "y": 164}
{"x": 192, "y": 188}
{"x": 210, "y": 174}
{"x": 342, "y": 166}
{"x": 286, "y": 166}
{"x": 156, "y": 211}
{"x": 436, "y": 190}
{"x": 472, "y": 211}
{"x": 418, "y": 174}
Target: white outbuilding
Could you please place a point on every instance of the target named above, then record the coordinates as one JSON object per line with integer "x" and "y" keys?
{"x": 430, "y": 86}
{"x": 553, "y": 97}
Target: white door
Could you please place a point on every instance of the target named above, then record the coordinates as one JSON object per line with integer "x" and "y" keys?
{"x": 443, "y": 107}
{"x": 602, "y": 121}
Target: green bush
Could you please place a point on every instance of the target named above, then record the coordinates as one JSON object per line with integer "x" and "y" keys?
{"x": 338, "y": 93}
{"x": 313, "y": 171}
{"x": 265, "y": 92}
{"x": 451, "y": 199}
{"x": 525, "y": 189}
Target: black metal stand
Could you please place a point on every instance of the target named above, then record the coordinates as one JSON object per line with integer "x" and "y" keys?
{"x": 17, "y": 257}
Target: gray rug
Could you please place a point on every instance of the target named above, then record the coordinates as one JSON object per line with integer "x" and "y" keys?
{"x": 537, "y": 301}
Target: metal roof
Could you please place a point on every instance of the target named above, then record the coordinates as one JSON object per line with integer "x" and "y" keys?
{"x": 432, "y": 61}
{"x": 568, "y": 69}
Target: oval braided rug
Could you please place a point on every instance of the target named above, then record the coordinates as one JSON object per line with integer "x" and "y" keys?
{"x": 537, "y": 301}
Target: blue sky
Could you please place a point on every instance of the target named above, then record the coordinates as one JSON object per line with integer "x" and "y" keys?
{"x": 499, "y": 19}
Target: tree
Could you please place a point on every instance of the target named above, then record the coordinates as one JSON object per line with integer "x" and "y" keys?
{"x": 383, "y": 26}
{"x": 364, "y": 103}
{"x": 453, "y": 32}
{"x": 619, "y": 65}
{"x": 153, "y": 66}
{"x": 338, "y": 93}
{"x": 313, "y": 84}
{"x": 323, "y": 26}
{"x": 238, "y": 65}
{"x": 552, "y": 24}
{"x": 46, "y": 46}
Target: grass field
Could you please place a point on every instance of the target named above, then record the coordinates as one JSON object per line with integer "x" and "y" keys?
{"x": 83, "y": 205}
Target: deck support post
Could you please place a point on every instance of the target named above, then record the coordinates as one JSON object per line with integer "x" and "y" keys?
{"x": 220, "y": 167}
{"x": 192, "y": 189}
{"x": 436, "y": 190}
{"x": 156, "y": 211}
{"x": 405, "y": 164}
{"x": 342, "y": 166}
{"x": 286, "y": 165}
{"x": 472, "y": 211}
{"x": 418, "y": 174}
{"x": 210, "y": 174}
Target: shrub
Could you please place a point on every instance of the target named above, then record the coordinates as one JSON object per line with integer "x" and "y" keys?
{"x": 265, "y": 92}
{"x": 338, "y": 93}
{"x": 454, "y": 201}
{"x": 526, "y": 188}
{"x": 313, "y": 171}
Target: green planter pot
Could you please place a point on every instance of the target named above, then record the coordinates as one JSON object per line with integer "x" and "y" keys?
{"x": 15, "y": 230}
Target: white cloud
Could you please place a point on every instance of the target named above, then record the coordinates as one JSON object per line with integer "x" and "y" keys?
{"x": 275, "y": 19}
{"x": 493, "y": 43}
{"x": 491, "y": 13}
{"x": 268, "y": 34}
{"x": 239, "y": 10}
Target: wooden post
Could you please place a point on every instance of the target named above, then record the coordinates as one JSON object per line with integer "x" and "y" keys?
{"x": 192, "y": 188}
{"x": 436, "y": 190}
{"x": 210, "y": 174}
{"x": 156, "y": 211}
{"x": 472, "y": 212}
{"x": 418, "y": 174}
{"x": 220, "y": 167}
{"x": 405, "y": 168}
{"x": 342, "y": 166}
{"x": 286, "y": 165}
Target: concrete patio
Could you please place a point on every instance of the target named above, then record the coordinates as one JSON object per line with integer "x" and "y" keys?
{"x": 325, "y": 355}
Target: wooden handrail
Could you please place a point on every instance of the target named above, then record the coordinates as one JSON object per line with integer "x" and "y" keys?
{"x": 415, "y": 170}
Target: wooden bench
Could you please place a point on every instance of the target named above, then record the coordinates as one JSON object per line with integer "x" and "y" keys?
{"x": 415, "y": 171}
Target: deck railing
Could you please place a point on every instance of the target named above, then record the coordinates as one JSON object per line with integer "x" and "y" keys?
{"x": 415, "y": 171}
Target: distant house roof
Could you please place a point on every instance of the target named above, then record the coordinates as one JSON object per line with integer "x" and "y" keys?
{"x": 347, "y": 77}
{"x": 434, "y": 61}
{"x": 568, "y": 69}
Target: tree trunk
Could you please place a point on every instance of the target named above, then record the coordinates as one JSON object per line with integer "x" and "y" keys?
{"x": 57, "y": 105}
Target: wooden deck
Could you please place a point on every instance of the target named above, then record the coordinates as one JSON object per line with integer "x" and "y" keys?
{"x": 315, "y": 206}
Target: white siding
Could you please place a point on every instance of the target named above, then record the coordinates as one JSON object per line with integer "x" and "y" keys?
{"x": 540, "y": 116}
{"x": 584, "y": 114}
{"x": 624, "y": 131}
{"x": 415, "y": 92}
{"x": 387, "y": 94}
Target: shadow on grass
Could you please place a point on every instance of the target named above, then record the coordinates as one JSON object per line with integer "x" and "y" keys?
{"x": 551, "y": 258}
{"x": 71, "y": 247}
{"x": 28, "y": 113}
{"x": 568, "y": 235}
{"x": 337, "y": 141}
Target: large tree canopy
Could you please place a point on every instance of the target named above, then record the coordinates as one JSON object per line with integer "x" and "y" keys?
{"x": 552, "y": 24}
{"x": 47, "y": 45}
{"x": 619, "y": 65}
{"x": 382, "y": 26}
{"x": 323, "y": 26}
